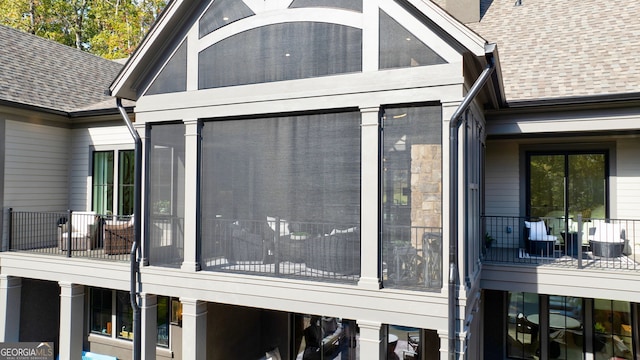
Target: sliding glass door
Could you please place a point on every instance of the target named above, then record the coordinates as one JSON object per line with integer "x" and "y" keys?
{"x": 563, "y": 185}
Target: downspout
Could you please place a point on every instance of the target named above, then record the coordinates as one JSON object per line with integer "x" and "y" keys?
{"x": 458, "y": 119}
{"x": 137, "y": 225}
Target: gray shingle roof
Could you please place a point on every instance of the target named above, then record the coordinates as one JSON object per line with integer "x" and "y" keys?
{"x": 552, "y": 48}
{"x": 39, "y": 72}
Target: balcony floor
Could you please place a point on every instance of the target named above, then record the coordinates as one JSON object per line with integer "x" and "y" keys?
{"x": 559, "y": 259}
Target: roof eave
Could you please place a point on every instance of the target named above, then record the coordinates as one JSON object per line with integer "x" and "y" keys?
{"x": 496, "y": 84}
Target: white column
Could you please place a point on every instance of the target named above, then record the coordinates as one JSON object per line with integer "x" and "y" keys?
{"x": 71, "y": 320}
{"x": 444, "y": 345}
{"x": 191, "y": 262}
{"x": 10, "y": 289}
{"x": 369, "y": 251}
{"x": 149, "y": 312}
{"x": 371, "y": 340}
{"x": 370, "y": 35}
{"x": 194, "y": 329}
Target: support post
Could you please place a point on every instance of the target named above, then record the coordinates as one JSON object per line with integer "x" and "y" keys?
{"x": 71, "y": 320}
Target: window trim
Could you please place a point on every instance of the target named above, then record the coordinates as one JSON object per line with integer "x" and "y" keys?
{"x": 116, "y": 151}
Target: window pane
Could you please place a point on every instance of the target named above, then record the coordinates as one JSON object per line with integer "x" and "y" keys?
{"x": 166, "y": 194}
{"x": 523, "y": 325}
{"x": 612, "y": 329}
{"x": 399, "y": 48}
{"x": 126, "y": 174}
{"x": 303, "y": 170}
{"x": 295, "y": 50}
{"x": 587, "y": 187}
{"x": 355, "y": 5}
{"x": 103, "y": 182}
{"x": 163, "y": 320}
{"x": 412, "y": 196}
{"x": 566, "y": 337}
{"x": 547, "y": 189}
{"x": 124, "y": 316}
{"x": 323, "y": 338}
{"x": 101, "y": 311}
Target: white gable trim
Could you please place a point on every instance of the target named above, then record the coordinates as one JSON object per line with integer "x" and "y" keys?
{"x": 123, "y": 85}
{"x": 260, "y": 6}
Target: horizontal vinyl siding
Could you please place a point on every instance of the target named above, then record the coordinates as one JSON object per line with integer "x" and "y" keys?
{"x": 36, "y": 167}
{"x": 502, "y": 191}
{"x": 84, "y": 141}
{"x": 627, "y": 179}
{"x": 502, "y": 179}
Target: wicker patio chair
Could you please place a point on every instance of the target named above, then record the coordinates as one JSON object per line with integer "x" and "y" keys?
{"x": 118, "y": 237}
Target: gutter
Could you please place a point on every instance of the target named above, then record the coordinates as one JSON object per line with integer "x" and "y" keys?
{"x": 458, "y": 118}
{"x": 137, "y": 224}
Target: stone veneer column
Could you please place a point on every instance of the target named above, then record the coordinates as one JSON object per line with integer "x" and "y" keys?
{"x": 71, "y": 320}
{"x": 149, "y": 309}
{"x": 191, "y": 261}
{"x": 10, "y": 289}
{"x": 369, "y": 250}
{"x": 194, "y": 329}
{"x": 371, "y": 340}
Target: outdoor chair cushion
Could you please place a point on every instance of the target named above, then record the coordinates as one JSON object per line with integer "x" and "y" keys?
{"x": 538, "y": 231}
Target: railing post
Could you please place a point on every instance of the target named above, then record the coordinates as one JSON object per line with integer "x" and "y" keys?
{"x": 10, "y": 229}
{"x": 276, "y": 250}
{"x": 579, "y": 240}
{"x": 69, "y": 232}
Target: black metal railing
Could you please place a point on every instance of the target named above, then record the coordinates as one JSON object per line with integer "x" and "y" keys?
{"x": 275, "y": 247}
{"x": 574, "y": 242}
{"x": 412, "y": 257}
{"x": 71, "y": 234}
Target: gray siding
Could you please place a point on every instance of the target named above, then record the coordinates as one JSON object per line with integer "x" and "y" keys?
{"x": 502, "y": 179}
{"x": 628, "y": 186}
{"x": 36, "y": 167}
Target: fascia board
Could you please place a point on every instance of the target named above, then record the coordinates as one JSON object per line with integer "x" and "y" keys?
{"x": 119, "y": 86}
{"x": 465, "y": 36}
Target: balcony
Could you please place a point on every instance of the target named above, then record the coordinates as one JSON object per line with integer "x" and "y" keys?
{"x": 329, "y": 252}
{"x": 580, "y": 243}
{"x": 71, "y": 234}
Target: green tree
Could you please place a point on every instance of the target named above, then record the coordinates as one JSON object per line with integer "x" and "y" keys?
{"x": 108, "y": 28}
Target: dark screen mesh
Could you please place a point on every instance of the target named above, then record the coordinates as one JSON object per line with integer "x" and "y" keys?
{"x": 221, "y": 13}
{"x": 281, "y": 52}
{"x": 173, "y": 78}
{"x": 166, "y": 194}
{"x": 299, "y": 168}
{"x": 399, "y": 48}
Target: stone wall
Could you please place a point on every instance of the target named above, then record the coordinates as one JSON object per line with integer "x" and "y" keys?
{"x": 426, "y": 185}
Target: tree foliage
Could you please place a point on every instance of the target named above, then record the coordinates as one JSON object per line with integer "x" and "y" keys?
{"x": 108, "y": 28}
